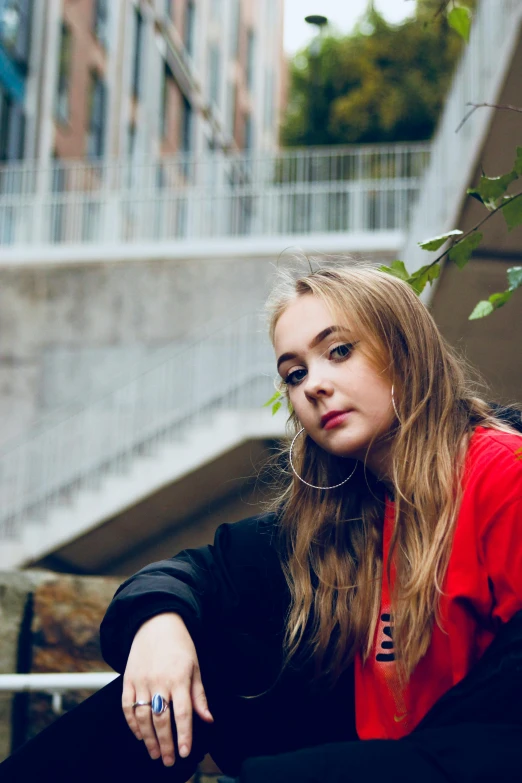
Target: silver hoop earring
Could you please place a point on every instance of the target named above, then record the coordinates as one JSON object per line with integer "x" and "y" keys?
{"x": 314, "y": 486}
{"x": 393, "y": 404}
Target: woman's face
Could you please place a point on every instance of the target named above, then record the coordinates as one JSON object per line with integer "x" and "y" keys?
{"x": 339, "y": 397}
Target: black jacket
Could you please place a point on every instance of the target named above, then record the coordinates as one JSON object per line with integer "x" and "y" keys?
{"x": 233, "y": 598}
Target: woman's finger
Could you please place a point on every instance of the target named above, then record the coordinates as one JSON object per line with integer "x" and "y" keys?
{"x": 128, "y": 697}
{"x": 199, "y": 697}
{"x": 182, "y": 706}
{"x": 143, "y": 715}
{"x": 163, "y": 727}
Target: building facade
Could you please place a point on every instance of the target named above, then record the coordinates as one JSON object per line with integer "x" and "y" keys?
{"x": 114, "y": 78}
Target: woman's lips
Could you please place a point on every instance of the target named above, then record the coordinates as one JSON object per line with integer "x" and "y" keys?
{"x": 334, "y": 421}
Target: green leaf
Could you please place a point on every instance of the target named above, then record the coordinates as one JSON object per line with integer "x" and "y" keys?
{"x": 474, "y": 193}
{"x": 499, "y": 300}
{"x": 517, "y": 168}
{"x": 423, "y": 276}
{"x": 514, "y": 276}
{"x": 512, "y": 211}
{"x": 481, "y": 310}
{"x": 435, "y": 242}
{"x": 397, "y": 269}
{"x": 459, "y": 18}
{"x": 494, "y": 302}
{"x": 274, "y": 398}
{"x": 461, "y": 252}
{"x": 491, "y": 189}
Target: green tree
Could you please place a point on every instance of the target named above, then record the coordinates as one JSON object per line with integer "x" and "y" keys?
{"x": 381, "y": 83}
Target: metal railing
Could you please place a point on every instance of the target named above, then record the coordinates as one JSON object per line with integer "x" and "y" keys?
{"x": 232, "y": 370}
{"x": 55, "y": 684}
{"x": 328, "y": 189}
{"x": 454, "y": 156}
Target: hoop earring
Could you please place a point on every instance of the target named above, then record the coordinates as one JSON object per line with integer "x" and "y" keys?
{"x": 314, "y": 486}
{"x": 394, "y": 406}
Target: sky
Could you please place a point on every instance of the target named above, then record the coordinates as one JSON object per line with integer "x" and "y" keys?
{"x": 342, "y": 14}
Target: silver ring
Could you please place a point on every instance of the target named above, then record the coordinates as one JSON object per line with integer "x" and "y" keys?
{"x": 159, "y": 704}
{"x": 141, "y": 704}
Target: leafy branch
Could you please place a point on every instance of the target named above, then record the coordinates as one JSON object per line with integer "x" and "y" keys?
{"x": 491, "y": 194}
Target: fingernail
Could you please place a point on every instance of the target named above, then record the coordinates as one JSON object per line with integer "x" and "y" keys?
{"x": 168, "y": 761}
{"x": 183, "y": 751}
{"x": 208, "y": 714}
{"x": 154, "y": 755}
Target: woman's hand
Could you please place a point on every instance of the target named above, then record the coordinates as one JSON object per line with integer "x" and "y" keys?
{"x": 163, "y": 660}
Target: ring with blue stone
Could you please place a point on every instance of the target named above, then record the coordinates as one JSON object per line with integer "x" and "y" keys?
{"x": 159, "y": 704}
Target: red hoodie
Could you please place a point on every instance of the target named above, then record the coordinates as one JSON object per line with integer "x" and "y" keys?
{"x": 483, "y": 588}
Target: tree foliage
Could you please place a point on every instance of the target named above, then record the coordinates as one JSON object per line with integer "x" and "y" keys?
{"x": 381, "y": 83}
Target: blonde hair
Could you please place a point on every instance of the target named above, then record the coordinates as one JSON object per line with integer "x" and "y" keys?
{"x": 333, "y": 558}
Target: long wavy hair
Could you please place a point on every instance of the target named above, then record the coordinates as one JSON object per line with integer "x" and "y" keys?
{"x": 333, "y": 539}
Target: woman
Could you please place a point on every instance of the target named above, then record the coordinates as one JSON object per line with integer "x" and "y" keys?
{"x": 377, "y": 601}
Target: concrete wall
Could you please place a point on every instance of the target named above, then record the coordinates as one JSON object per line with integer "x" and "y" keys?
{"x": 65, "y": 332}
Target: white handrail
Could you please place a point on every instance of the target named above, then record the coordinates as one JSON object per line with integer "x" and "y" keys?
{"x": 55, "y": 684}
{"x": 454, "y": 156}
{"x": 320, "y": 189}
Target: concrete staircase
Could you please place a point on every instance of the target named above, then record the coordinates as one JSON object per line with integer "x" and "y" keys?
{"x": 68, "y": 478}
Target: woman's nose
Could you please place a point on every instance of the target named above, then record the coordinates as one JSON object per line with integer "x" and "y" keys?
{"x": 318, "y": 385}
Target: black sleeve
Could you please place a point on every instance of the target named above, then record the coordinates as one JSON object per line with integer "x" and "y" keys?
{"x": 236, "y": 582}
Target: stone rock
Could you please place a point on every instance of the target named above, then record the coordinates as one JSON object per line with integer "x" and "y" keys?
{"x": 67, "y": 611}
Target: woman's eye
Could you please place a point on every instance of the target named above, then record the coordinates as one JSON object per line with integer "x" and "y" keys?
{"x": 341, "y": 351}
{"x": 295, "y": 377}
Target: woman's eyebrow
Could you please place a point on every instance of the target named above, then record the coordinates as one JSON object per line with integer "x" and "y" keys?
{"x": 316, "y": 340}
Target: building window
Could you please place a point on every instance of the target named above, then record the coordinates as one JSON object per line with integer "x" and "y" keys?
{"x": 186, "y": 125}
{"x": 101, "y": 21}
{"x": 190, "y": 16}
{"x": 12, "y": 128}
{"x": 138, "y": 43}
{"x": 213, "y": 74}
{"x": 5, "y": 110}
{"x": 15, "y": 29}
{"x": 97, "y": 101}
{"x": 64, "y": 69}
{"x": 248, "y": 134}
{"x": 131, "y": 140}
{"x": 231, "y": 108}
{"x": 251, "y": 42}
{"x": 168, "y": 83}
